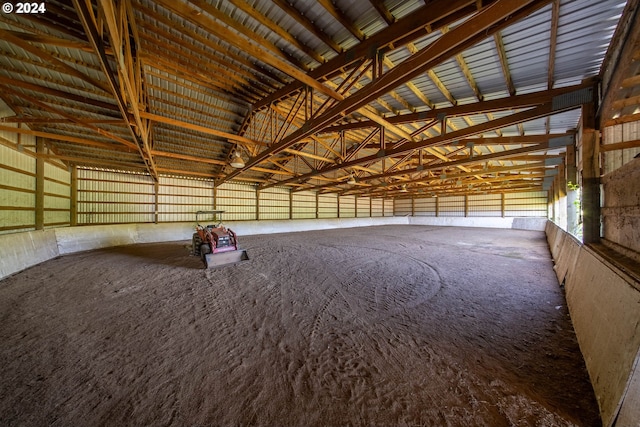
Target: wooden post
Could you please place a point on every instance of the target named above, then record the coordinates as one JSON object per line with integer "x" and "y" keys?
{"x": 466, "y": 205}
{"x": 39, "y": 202}
{"x": 437, "y": 206}
{"x": 257, "y": 205}
{"x": 590, "y": 176}
{"x": 502, "y": 204}
{"x": 290, "y": 204}
{"x": 73, "y": 220}
{"x": 156, "y": 190}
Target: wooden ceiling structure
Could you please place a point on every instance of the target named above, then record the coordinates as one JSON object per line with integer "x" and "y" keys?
{"x": 393, "y": 98}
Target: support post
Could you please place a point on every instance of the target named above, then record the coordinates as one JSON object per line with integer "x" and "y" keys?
{"x": 466, "y": 205}
{"x": 502, "y": 204}
{"x": 590, "y": 176}
{"x": 39, "y": 202}
{"x": 73, "y": 214}
{"x": 156, "y": 190}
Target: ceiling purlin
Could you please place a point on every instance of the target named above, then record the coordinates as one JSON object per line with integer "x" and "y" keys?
{"x": 383, "y": 11}
{"x": 330, "y": 7}
{"x": 56, "y": 111}
{"x": 275, "y": 28}
{"x": 485, "y": 22}
{"x": 226, "y": 57}
{"x": 308, "y": 24}
{"x": 242, "y": 32}
{"x": 49, "y": 59}
{"x": 555, "y": 18}
{"x": 412, "y": 26}
{"x": 128, "y": 85}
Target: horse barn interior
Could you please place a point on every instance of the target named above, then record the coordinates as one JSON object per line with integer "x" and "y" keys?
{"x": 439, "y": 201}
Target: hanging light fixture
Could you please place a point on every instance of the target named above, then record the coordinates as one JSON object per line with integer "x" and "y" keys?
{"x": 236, "y": 160}
{"x": 352, "y": 179}
{"x": 403, "y": 189}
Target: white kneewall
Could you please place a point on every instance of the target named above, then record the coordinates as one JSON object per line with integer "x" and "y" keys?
{"x": 604, "y": 304}
{"x": 19, "y": 251}
{"x": 23, "y": 250}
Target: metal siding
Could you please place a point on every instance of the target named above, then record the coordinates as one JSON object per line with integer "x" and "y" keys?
{"x": 57, "y": 199}
{"x": 363, "y": 207}
{"x": 22, "y": 216}
{"x": 274, "y": 203}
{"x": 425, "y": 206}
{"x": 237, "y": 200}
{"x": 451, "y": 206}
{"x": 347, "y": 207}
{"x": 377, "y": 207}
{"x": 304, "y": 205}
{"x": 484, "y": 205}
{"x": 107, "y": 197}
{"x": 180, "y": 198}
{"x": 327, "y": 206}
{"x": 402, "y": 207}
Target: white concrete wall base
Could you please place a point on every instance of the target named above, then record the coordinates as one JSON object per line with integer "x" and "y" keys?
{"x": 604, "y": 304}
{"x": 22, "y": 250}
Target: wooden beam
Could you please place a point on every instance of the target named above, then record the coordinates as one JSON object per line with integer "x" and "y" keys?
{"x": 225, "y": 135}
{"x": 477, "y": 27}
{"x": 504, "y": 63}
{"x": 89, "y": 22}
{"x": 412, "y": 25}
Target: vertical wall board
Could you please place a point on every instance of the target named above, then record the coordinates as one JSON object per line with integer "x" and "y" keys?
{"x": 274, "y": 203}
{"x": 238, "y": 200}
{"x": 347, "y": 207}
{"x": 304, "y": 205}
{"x": 402, "y": 207}
{"x": 485, "y": 205}
{"x": 621, "y": 210}
{"x": 363, "y": 207}
{"x": 327, "y": 206}
{"x": 425, "y": 206}
{"x": 451, "y": 206}
{"x": 376, "y": 208}
{"x": 624, "y": 132}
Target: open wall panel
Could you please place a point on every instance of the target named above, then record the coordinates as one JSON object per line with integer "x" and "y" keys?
{"x": 237, "y": 200}
{"x": 180, "y": 198}
{"x": 109, "y": 197}
{"x": 303, "y": 205}
{"x": 327, "y": 206}
{"x": 273, "y": 203}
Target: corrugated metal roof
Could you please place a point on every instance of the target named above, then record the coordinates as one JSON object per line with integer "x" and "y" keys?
{"x": 200, "y": 70}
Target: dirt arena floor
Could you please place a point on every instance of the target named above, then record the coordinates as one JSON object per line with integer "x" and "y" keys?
{"x": 378, "y": 326}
